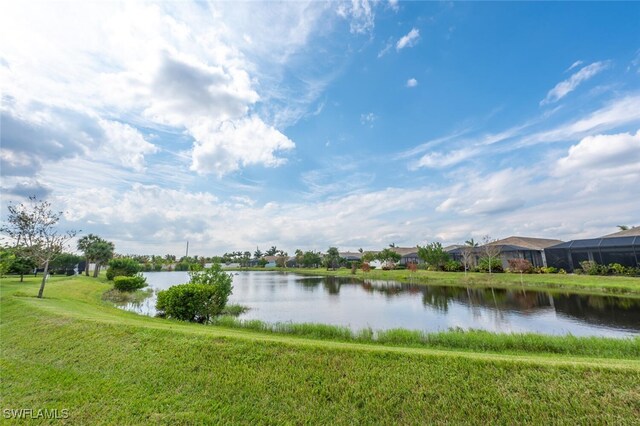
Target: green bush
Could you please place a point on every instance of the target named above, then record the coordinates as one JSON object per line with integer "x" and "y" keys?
{"x": 549, "y": 270}
{"x": 453, "y": 266}
{"x": 129, "y": 283}
{"x": 204, "y": 297}
{"x": 191, "y": 302}
{"x": 122, "y": 267}
{"x": 494, "y": 262}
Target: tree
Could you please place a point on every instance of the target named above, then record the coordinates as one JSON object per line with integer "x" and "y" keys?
{"x": 468, "y": 257}
{"x": 299, "y": 256}
{"x": 332, "y": 259}
{"x": 21, "y": 265}
{"x": 311, "y": 259}
{"x": 84, "y": 244}
{"x": 434, "y": 255}
{"x": 65, "y": 262}
{"x": 33, "y": 228}
{"x": 389, "y": 257}
{"x": 257, "y": 254}
{"x": 471, "y": 243}
{"x": 101, "y": 252}
{"x": 272, "y": 251}
{"x": 491, "y": 252}
{"x": 6, "y": 258}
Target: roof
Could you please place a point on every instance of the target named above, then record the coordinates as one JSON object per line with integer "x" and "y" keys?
{"x": 527, "y": 242}
{"x": 452, "y": 247}
{"x": 629, "y": 241}
{"x": 403, "y": 251}
{"x": 351, "y": 254}
{"x": 633, "y": 232}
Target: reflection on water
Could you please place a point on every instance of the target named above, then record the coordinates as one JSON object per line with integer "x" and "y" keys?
{"x": 379, "y": 304}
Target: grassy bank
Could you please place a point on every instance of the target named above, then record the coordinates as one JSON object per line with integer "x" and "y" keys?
{"x": 582, "y": 284}
{"x": 74, "y": 351}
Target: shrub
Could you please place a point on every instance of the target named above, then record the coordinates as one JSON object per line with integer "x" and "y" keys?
{"x": 129, "y": 283}
{"x": 204, "y": 297}
{"x": 592, "y": 268}
{"x": 617, "y": 269}
{"x": 191, "y": 302}
{"x": 522, "y": 266}
{"x": 122, "y": 267}
{"x": 549, "y": 270}
{"x": 365, "y": 267}
{"x": 485, "y": 262}
{"x": 453, "y": 266}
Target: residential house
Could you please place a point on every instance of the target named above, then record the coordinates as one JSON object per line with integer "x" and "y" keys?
{"x": 621, "y": 247}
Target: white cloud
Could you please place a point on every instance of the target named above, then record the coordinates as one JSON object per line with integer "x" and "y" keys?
{"x": 574, "y": 65}
{"x": 408, "y": 40}
{"x": 125, "y": 144}
{"x": 440, "y": 160}
{"x": 386, "y": 49}
{"x": 368, "y": 119}
{"x": 565, "y": 87}
{"x": 598, "y": 155}
{"x": 360, "y": 14}
{"x": 412, "y": 82}
{"x": 174, "y": 67}
{"x": 224, "y": 148}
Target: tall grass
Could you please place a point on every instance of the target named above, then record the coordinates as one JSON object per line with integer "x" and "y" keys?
{"x": 472, "y": 340}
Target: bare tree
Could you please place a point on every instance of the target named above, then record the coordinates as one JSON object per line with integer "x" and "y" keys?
{"x": 491, "y": 251}
{"x": 468, "y": 258}
{"x": 33, "y": 228}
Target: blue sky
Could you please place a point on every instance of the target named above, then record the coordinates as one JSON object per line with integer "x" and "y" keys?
{"x": 305, "y": 125}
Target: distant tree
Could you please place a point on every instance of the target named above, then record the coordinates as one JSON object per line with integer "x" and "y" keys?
{"x": 101, "y": 252}
{"x": 246, "y": 257}
{"x": 332, "y": 258}
{"x": 281, "y": 260}
{"x": 434, "y": 255}
{"x": 471, "y": 243}
{"x": 625, "y": 227}
{"x": 299, "y": 257}
{"x": 311, "y": 259}
{"x": 491, "y": 252}
{"x": 389, "y": 257}
{"x": 272, "y": 251}
{"x": 392, "y": 245}
{"x": 65, "y": 262}
{"x": 33, "y": 228}
{"x": 21, "y": 265}
{"x": 360, "y": 250}
{"x": 257, "y": 254}
{"x": 84, "y": 245}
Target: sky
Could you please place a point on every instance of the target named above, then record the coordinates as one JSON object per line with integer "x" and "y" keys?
{"x": 306, "y": 125}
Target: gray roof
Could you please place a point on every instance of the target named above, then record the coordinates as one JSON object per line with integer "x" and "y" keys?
{"x": 527, "y": 242}
{"x": 633, "y": 232}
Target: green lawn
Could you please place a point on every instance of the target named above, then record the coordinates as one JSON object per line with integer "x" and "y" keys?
{"x": 583, "y": 284}
{"x": 71, "y": 350}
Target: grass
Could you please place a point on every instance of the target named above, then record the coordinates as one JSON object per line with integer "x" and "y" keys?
{"x": 555, "y": 283}
{"x": 72, "y": 350}
{"x": 470, "y": 340}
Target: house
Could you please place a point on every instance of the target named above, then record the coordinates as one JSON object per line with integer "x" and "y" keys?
{"x": 621, "y": 247}
{"x": 514, "y": 247}
{"x": 409, "y": 254}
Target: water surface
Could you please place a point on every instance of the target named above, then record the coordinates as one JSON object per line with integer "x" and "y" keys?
{"x": 287, "y": 297}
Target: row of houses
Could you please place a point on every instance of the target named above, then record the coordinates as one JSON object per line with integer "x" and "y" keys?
{"x": 621, "y": 247}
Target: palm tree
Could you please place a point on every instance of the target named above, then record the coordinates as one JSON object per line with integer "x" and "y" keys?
{"x": 471, "y": 243}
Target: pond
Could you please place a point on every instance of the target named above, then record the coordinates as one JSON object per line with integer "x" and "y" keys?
{"x": 286, "y": 297}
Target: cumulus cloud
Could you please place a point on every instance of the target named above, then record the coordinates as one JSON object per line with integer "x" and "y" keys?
{"x": 603, "y": 154}
{"x": 565, "y": 87}
{"x": 226, "y": 147}
{"x": 412, "y": 82}
{"x": 408, "y": 40}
